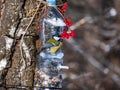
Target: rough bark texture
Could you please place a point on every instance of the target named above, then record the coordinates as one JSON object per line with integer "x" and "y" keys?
{"x": 15, "y": 16}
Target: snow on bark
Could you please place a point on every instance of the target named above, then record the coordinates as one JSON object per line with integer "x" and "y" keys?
{"x": 27, "y": 52}
{"x": 9, "y": 42}
{"x": 3, "y": 64}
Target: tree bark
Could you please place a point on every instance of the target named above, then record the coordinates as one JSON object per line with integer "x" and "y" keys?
{"x": 15, "y": 70}
{"x": 117, "y": 5}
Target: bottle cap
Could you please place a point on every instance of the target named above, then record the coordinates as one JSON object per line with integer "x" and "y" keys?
{"x": 53, "y": 2}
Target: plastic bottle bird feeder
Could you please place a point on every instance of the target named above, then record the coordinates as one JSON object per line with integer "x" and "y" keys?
{"x": 49, "y": 59}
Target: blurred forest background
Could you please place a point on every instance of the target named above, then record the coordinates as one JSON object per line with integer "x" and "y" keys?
{"x": 93, "y": 55}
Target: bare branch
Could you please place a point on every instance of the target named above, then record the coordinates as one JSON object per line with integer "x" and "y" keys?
{"x": 78, "y": 24}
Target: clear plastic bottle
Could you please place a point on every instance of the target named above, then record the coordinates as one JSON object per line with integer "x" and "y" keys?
{"x": 49, "y": 58}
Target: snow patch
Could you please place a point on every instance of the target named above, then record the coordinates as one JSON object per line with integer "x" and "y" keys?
{"x": 3, "y": 64}
{"x": 20, "y": 32}
{"x": 9, "y": 42}
{"x": 26, "y": 51}
{"x": 12, "y": 31}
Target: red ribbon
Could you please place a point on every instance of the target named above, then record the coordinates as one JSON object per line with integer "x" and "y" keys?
{"x": 68, "y": 22}
{"x": 63, "y": 8}
{"x": 66, "y": 34}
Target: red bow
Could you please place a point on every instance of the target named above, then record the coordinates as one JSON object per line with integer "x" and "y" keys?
{"x": 63, "y": 8}
{"x": 68, "y": 22}
{"x": 66, "y": 34}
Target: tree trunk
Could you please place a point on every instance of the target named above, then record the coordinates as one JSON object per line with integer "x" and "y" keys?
{"x": 16, "y": 69}
{"x": 117, "y": 5}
